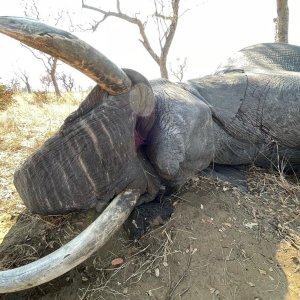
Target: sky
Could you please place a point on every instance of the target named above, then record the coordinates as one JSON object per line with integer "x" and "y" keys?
{"x": 208, "y": 33}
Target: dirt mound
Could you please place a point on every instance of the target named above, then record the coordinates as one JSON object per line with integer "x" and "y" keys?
{"x": 220, "y": 243}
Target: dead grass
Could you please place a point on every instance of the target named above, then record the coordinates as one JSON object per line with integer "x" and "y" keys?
{"x": 146, "y": 258}
{"x": 6, "y": 97}
{"x": 274, "y": 184}
{"x": 24, "y": 126}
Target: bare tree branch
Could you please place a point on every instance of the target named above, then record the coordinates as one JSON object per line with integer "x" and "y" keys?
{"x": 166, "y": 31}
{"x": 181, "y": 68}
{"x": 129, "y": 19}
{"x": 118, "y": 6}
{"x": 68, "y": 81}
{"x": 25, "y": 78}
{"x": 50, "y": 63}
{"x": 35, "y": 55}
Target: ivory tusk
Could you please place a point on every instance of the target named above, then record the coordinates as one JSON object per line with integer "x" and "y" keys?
{"x": 68, "y": 48}
{"x": 76, "y": 251}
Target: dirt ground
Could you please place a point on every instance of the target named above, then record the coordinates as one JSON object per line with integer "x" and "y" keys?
{"x": 220, "y": 243}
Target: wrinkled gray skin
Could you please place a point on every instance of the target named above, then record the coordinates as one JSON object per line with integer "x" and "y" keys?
{"x": 248, "y": 111}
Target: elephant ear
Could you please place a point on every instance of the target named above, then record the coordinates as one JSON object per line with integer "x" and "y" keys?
{"x": 181, "y": 140}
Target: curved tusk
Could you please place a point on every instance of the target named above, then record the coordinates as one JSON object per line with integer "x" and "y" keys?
{"x": 68, "y": 48}
{"x": 74, "y": 252}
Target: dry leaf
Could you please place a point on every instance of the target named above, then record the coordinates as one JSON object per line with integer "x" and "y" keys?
{"x": 117, "y": 261}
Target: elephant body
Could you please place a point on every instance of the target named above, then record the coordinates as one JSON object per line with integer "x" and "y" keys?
{"x": 130, "y": 139}
{"x": 247, "y": 112}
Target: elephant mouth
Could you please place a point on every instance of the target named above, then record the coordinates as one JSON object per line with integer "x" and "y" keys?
{"x": 114, "y": 81}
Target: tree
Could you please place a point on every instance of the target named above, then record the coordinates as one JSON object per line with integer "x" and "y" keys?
{"x": 165, "y": 17}
{"x": 282, "y": 22}
{"x": 178, "y": 73}
{"x": 15, "y": 85}
{"x": 46, "y": 82}
{"x": 50, "y": 63}
{"x": 25, "y": 78}
{"x": 68, "y": 81}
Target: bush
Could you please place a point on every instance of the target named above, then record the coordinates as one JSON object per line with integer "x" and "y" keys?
{"x": 6, "y": 97}
{"x": 40, "y": 97}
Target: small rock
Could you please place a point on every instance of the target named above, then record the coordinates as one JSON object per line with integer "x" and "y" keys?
{"x": 262, "y": 272}
{"x": 157, "y": 272}
{"x": 295, "y": 260}
{"x": 250, "y": 225}
{"x": 194, "y": 250}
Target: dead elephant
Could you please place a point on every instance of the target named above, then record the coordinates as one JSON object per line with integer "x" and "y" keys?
{"x": 131, "y": 136}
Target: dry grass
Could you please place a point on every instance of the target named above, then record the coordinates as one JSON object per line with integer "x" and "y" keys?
{"x": 24, "y": 126}
{"x": 6, "y": 97}
{"x": 274, "y": 183}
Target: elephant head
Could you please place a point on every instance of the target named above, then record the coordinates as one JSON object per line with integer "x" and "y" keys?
{"x": 125, "y": 139}
{"x": 96, "y": 156}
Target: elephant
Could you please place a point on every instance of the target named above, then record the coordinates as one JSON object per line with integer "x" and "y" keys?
{"x": 132, "y": 137}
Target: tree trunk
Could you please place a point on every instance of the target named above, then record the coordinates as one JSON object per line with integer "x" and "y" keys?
{"x": 282, "y": 21}
{"x": 56, "y": 88}
{"x": 25, "y": 78}
{"x": 28, "y": 87}
{"x": 163, "y": 67}
{"x": 53, "y": 78}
